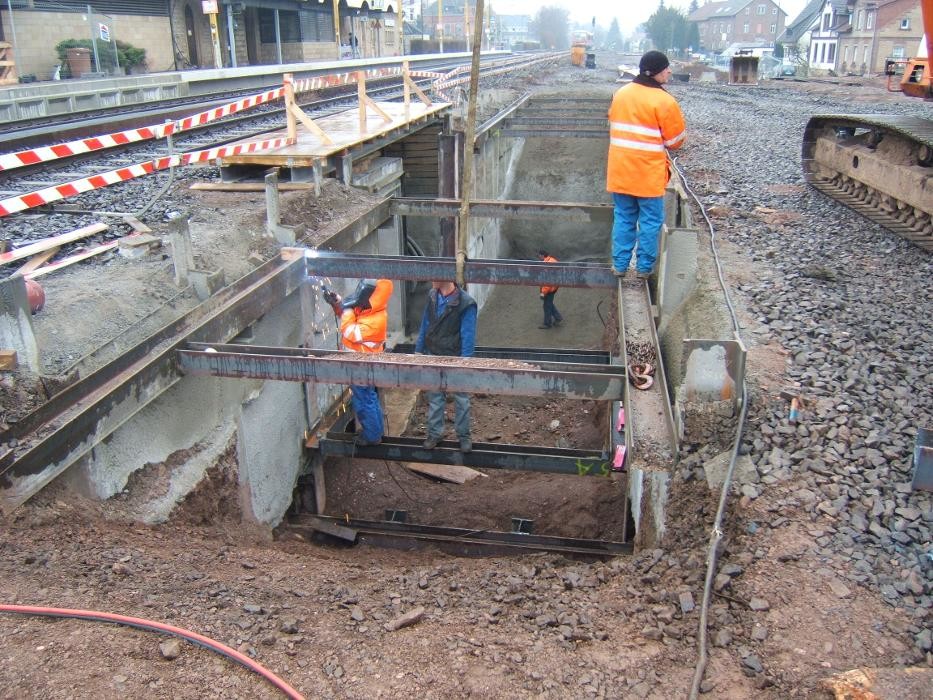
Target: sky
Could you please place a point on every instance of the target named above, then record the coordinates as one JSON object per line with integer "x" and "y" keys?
{"x": 630, "y": 13}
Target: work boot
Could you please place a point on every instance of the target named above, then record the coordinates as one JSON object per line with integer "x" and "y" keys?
{"x": 643, "y": 275}
{"x": 466, "y": 444}
{"x": 618, "y": 273}
{"x": 430, "y": 442}
{"x": 360, "y": 441}
{"x": 542, "y": 326}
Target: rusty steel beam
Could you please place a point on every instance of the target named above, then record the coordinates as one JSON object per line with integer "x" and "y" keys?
{"x": 521, "y": 133}
{"x": 530, "y": 273}
{"x": 506, "y": 209}
{"x": 459, "y": 374}
{"x": 66, "y": 428}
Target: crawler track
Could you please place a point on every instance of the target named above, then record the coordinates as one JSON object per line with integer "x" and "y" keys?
{"x": 879, "y": 165}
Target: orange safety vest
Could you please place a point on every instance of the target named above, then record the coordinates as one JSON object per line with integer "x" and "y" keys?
{"x": 364, "y": 330}
{"x": 643, "y": 122}
{"x": 548, "y": 290}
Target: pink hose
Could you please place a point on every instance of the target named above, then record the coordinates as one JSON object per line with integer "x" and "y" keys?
{"x": 193, "y": 637}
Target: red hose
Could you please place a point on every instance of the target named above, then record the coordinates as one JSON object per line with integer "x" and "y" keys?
{"x": 193, "y": 637}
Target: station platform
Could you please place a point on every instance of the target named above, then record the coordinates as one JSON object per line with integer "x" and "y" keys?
{"x": 43, "y": 99}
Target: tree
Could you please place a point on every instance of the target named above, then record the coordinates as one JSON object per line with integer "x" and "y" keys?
{"x": 669, "y": 29}
{"x": 614, "y": 38}
{"x": 552, "y": 27}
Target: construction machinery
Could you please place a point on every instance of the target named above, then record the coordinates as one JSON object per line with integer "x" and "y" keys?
{"x": 881, "y": 165}
{"x": 581, "y": 42}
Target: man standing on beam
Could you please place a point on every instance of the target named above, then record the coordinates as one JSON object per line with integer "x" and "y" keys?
{"x": 448, "y": 327}
{"x": 644, "y": 121}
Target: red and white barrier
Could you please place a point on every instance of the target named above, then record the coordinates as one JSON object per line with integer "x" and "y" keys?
{"x": 19, "y": 203}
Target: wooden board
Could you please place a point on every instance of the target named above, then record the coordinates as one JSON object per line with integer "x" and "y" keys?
{"x": 342, "y": 128}
{"x": 71, "y": 260}
{"x": 39, "y": 246}
{"x": 454, "y": 474}
{"x": 249, "y": 186}
{"x": 7, "y": 359}
{"x": 37, "y": 261}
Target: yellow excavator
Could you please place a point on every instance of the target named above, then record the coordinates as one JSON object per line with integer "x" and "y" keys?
{"x": 881, "y": 165}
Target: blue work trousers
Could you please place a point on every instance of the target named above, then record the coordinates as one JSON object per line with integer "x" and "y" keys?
{"x": 551, "y": 314}
{"x": 437, "y": 401}
{"x": 368, "y": 410}
{"x": 636, "y": 220}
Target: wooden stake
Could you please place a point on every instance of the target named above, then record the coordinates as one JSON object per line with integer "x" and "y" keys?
{"x": 290, "y": 122}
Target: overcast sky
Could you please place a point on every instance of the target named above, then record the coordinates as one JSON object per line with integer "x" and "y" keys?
{"x": 630, "y": 13}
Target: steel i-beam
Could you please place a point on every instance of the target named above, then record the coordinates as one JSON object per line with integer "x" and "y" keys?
{"x": 530, "y": 273}
{"x": 456, "y": 374}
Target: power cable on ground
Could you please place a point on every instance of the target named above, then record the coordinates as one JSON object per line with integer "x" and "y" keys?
{"x": 716, "y": 531}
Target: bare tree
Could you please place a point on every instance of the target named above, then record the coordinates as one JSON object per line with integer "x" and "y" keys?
{"x": 552, "y": 27}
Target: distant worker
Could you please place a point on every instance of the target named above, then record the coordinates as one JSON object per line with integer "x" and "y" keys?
{"x": 448, "y": 327}
{"x": 644, "y": 120}
{"x": 363, "y": 328}
{"x": 552, "y": 316}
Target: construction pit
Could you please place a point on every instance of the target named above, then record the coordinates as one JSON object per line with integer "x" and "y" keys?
{"x": 197, "y": 502}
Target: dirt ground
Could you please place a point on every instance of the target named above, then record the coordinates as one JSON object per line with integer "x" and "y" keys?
{"x": 321, "y": 615}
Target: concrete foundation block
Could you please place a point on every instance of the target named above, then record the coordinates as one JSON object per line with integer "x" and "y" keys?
{"x": 206, "y": 283}
{"x": 138, "y": 245}
{"x": 16, "y": 325}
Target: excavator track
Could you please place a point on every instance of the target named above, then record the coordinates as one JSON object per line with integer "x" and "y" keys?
{"x": 879, "y": 165}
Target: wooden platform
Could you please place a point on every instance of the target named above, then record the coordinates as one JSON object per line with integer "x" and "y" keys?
{"x": 343, "y": 129}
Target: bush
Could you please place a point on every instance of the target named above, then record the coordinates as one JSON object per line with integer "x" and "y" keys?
{"x": 128, "y": 54}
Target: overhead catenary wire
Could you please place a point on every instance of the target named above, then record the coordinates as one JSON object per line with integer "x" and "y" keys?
{"x": 152, "y": 626}
{"x": 716, "y": 531}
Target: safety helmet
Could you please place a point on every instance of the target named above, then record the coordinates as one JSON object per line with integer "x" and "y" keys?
{"x": 360, "y": 297}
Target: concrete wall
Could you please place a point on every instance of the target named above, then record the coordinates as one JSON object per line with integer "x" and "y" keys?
{"x": 37, "y": 34}
{"x": 199, "y": 415}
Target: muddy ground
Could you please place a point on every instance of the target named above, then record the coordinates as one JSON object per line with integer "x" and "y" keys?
{"x": 543, "y": 625}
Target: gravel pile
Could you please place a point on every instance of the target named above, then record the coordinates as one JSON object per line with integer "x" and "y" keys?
{"x": 851, "y": 304}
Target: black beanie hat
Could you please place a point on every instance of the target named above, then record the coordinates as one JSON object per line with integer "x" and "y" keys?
{"x": 653, "y": 63}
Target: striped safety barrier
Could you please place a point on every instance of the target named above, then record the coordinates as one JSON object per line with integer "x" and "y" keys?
{"x": 11, "y": 205}
{"x": 43, "y": 154}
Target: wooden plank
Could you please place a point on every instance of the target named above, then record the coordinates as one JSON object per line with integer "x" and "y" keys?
{"x": 329, "y": 528}
{"x": 28, "y": 251}
{"x": 138, "y": 226}
{"x": 249, "y": 186}
{"x": 454, "y": 474}
{"x": 71, "y": 260}
{"x": 36, "y": 262}
{"x": 8, "y": 359}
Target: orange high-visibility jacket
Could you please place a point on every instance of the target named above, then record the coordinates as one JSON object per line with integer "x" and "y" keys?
{"x": 364, "y": 330}
{"x": 548, "y": 290}
{"x": 643, "y": 122}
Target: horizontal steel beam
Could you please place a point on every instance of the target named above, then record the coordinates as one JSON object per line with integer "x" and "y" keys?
{"x": 484, "y": 455}
{"x": 505, "y": 209}
{"x": 470, "y": 537}
{"x": 554, "y": 133}
{"x": 593, "y": 357}
{"x": 530, "y": 273}
{"x": 82, "y": 415}
{"x": 455, "y": 374}
{"x": 570, "y": 121}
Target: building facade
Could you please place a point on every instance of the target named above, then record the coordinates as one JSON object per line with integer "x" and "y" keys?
{"x": 176, "y": 34}
{"x": 877, "y": 31}
{"x": 748, "y": 22}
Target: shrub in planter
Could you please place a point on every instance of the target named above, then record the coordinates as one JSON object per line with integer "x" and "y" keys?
{"x": 130, "y": 56}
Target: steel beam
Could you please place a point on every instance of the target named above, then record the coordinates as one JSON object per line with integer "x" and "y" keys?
{"x": 467, "y": 537}
{"x": 484, "y": 455}
{"x": 505, "y": 209}
{"x": 530, "y": 273}
{"x": 572, "y": 122}
{"x": 555, "y": 133}
{"x": 456, "y": 374}
{"x": 587, "y": 357}
{"x": 82, "y": 415}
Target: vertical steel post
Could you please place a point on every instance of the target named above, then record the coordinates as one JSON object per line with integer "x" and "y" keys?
{"x": 463, "y": 233}
{"x": 337, "y": 28}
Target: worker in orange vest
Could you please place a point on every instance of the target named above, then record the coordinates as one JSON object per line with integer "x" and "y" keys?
{"x": 552, "y": 316}
{"x": 644, "y": 122}
{"x": 363, "y": 328}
